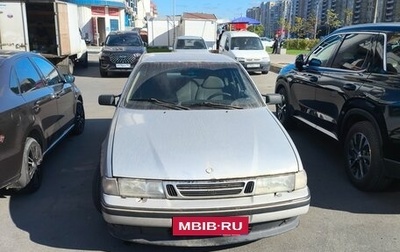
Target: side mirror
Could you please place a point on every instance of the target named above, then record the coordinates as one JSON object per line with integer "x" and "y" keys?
{"x": 315, "y": 62}
{"x": 108, "y": 100}
{"x": 299, "y": 62}
{"x": 273, "y": 99}
{"x": 102, "y": 43}
{"x": 226, "y": 47}
{"x": 69, "y": 78}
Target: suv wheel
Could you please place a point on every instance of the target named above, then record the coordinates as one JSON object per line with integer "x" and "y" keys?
{"x": 363, "y": 157}
{"x": 283, "y": 110}
{"x": 103, "y": 73}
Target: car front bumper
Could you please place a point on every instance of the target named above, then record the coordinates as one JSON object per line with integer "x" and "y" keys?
{"x": 136, "y": 220}
{"x": 256, "y": 66}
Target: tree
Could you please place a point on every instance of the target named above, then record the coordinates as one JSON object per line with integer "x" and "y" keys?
{"x": 332, "y": 20}
{"x": 348, "y": 17}
{"x": 310, "y": 25}
{"x": 299, "y": 27}
{"x": 258, "y": 29}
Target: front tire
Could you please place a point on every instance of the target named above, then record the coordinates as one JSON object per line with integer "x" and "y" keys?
{"x": 283, "y": 111}
{"x": 79, "y": 119}
{"x": 363, "y": 157}
{"x": 103, "y": 73}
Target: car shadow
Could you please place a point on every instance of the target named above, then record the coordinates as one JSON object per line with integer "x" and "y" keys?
{"x": 328, "y": 182}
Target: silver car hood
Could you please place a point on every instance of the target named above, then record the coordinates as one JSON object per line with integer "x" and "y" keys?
{"x": 200, "y": 144}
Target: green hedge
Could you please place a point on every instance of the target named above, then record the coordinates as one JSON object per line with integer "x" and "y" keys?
{"x": 300, "y": 44}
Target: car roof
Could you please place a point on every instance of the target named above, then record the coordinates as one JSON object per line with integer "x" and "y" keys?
{"x": 123, "y": 32}
{"x": 186, "y": 57}
{"x": 241, "y": 34}
{"x": 7, "y": 54}
{"x": 376, "y": 27}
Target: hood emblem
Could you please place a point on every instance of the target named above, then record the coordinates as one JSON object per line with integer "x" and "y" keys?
{"x": 209, "y": 170}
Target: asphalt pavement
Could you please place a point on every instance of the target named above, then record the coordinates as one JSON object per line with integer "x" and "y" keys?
{"x": 277, "y": 60}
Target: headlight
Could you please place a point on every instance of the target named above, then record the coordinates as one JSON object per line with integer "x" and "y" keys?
{"x": 140, "y": 188}
{"x": 281, "y": 183}
{"x": 110, "y": 186}
{"x": 265, "y": 59}
{"x": 104, "y": 55}
{"x": 137, "y": 55}
{"x": 301, "y": 180}
{"x": 240, "y": 59}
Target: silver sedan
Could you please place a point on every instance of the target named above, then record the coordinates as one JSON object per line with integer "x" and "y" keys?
{"x": 194, "y": 157}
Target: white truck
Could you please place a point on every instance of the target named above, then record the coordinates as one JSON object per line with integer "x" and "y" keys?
{"x": 49, "y": 27}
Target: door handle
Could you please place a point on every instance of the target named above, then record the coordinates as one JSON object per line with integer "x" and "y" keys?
{"x": 313, "y": 79}
{"x": 349, "y": 87}
{"x": 36, "y": 107}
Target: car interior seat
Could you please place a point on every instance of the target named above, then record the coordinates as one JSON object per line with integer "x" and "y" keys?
{"x": 211, "y": 87}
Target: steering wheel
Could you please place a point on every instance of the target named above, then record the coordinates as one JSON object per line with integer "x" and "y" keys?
{"x": 217, "y": 94}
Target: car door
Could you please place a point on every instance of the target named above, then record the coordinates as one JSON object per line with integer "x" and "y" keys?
{"x": 343, "y": 78}
{"x": 303, "y": 84}
{"x": 63, "y": 93}
{"x": 40, "y": 104}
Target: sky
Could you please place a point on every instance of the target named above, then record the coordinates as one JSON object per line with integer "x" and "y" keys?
{"x": 222, "y": 9}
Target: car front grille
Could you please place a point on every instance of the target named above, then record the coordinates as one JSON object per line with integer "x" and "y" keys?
{"x": 124, "y": 58}
{"x": 206, "y": 189}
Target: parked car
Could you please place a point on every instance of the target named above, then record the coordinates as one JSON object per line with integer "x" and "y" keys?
{"x": 120, "y": 52}
{"x": 348, "y": 88}
{"x": 192, "y": 142}
{"x": 190, "y": 44}
{"x": 267, "y": 42}
{"x": 247, "y": 48}
{"x": 38, "y": 107}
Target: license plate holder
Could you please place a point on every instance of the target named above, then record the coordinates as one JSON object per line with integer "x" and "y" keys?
{"x": 210, "y": 226}
{"x": 122, "y": 65}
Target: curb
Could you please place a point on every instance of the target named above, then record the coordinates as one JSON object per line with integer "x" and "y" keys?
{"x": 275, "y": 68}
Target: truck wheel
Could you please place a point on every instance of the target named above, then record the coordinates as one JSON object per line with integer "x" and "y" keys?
{"x": 70, "y": 66}
{"x": 85, "y": 60}
{"x": 31, "y": 176}
{"x": 363, "y": 157}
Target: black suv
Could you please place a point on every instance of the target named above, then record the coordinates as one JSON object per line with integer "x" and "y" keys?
{"x": 120, "y": 52}
{"x": 348, "y": 87}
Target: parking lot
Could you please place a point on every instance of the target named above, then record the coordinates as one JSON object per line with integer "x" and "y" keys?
{"x": 61, "y": 216}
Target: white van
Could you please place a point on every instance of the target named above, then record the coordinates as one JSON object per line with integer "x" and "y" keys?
{"x": 247, "y": 48}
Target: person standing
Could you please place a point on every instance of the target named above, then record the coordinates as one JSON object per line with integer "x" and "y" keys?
{"x": 275, "y": 45}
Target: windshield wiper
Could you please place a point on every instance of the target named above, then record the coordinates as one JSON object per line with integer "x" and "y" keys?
{"x": 215, "y": 105}
{"x": 162, "y": 103}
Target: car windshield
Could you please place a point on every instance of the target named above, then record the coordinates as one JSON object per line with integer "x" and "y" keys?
{"x": 246, "y": 43}
{"x": 123, "y": 40}
{"x": 190, "y": 44}
{"x": 191, "y": 86}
